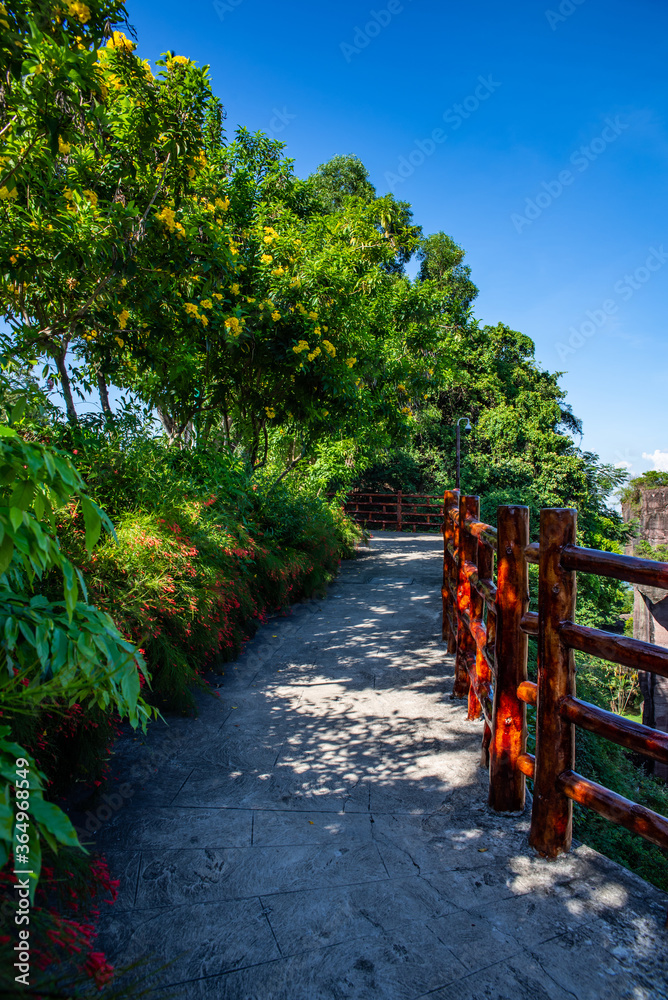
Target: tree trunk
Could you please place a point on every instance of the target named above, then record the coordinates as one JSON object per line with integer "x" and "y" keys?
{"x": 66, "y": 386}
{"x": 104, "y": 396}
{"x": 169, "y": 424}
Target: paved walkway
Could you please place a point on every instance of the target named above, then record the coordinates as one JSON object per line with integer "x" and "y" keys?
{"x": 321, "y": 832}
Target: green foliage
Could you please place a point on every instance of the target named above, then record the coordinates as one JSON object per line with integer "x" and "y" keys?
{"x": 52, "y": 652}
{"x": 340, "y": 178}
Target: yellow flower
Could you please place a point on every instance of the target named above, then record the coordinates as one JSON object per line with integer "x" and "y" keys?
{"x": 223, "y": 205}
{"x": 6, "y": 194}
{"x": 191, "y": 173}
{"x": 182, "y": 60}
{"x": 119, "y": 41}
{"x": 235, "y": 289}
{"x": 278, "y": 271}
{"x": 300, "y": 308}
{"x": 317, "y": 331}
{"x": 275, "y": 315}
{"x": 351, "y": 361}
{"x": 248, "y": 299}
{"x": 207, "y": 304}
{"x": 405, "y": 409}
{"x": 123, "y": 318}
{"x": 13, "y": 259}
{"x": 266, "y": 258}
{"x": 167, "y": 216}
{"x": 295, "y": 283}
{"x": 331, "y": 350}
{"x": 92, "y": 197}
{"x": 233, "y": 326}
{"x": 218, "y": 296}
{"x": 314, "y": 354}
{"x": 271, "y": 413}
{"x": 401, "y": 388}
{"x": 301, "y": 346}
{"x": 191, "y": 308}
{"x": 119, "y": 341}
{"x": 204, "y": 320}
{"x": 79, "y": 10}
{"x": 63, "y": 147}
{"x": 313, "y": 315}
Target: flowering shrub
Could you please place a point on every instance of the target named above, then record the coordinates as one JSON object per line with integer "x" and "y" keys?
{"x": 62, "y": 920}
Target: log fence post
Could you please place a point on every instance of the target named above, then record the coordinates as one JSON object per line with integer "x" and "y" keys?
{"x": 466, "y": 647}
{"x": 450, "y": 500}
{"x": 552, "y": 816}
{"x": 507, "y": 784}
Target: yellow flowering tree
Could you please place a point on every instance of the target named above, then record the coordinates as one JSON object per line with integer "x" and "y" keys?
{"x": 101, "y": 142}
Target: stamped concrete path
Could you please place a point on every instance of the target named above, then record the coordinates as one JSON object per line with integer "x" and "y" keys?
{"x": 321, "y": 832}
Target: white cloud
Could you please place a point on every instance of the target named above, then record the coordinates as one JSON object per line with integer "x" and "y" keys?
{"x": 660, "y": 459}
{"x": 623, "y": 465}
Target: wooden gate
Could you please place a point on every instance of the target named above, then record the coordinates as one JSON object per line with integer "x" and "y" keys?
{"x": 396, "y": 511}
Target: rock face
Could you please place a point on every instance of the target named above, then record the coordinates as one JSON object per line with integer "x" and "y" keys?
{"x": 650, "y": 611}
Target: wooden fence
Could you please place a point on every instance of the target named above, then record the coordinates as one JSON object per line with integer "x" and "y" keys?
{"x": 396, "y": 511}
{"x": 487, "y": 621}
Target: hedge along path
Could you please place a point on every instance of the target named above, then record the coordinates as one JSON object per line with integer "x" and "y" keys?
{"x": 321, "y": 830}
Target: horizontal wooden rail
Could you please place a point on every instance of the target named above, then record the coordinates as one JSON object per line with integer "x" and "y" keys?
{"x": 616, "y": 648}
{"x": 532, "y": 553}
{"x": 528, "y": 692}
{"x": 529, "y": 623}
{"x": 484, "y": 532}
{"x": 615, "y": 807}
{"x": 646, "y": 572}
{"x": 616, "y": 728}
{"x": 526, "y": 763}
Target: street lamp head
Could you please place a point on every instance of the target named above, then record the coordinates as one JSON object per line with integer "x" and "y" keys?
{"x": 467, "y": 425}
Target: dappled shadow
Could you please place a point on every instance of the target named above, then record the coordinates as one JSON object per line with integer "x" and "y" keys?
{"x": 321, "y": 830}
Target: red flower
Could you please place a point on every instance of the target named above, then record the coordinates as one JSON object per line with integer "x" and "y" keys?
{"x": 99, "y": 969}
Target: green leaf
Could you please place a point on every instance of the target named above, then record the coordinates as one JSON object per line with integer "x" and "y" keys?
{"x": 22, "y": 494}
{"x": 53, "y": 819}
{"x": 92, "y": 521}
{"x": 6, "y": 553}
{"x": 71, "y": 589}
{"x": 16, "y": 517}
{"x": 18, "y": 410}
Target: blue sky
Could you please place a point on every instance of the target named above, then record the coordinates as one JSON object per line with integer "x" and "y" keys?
{"x": 534, "y": 133}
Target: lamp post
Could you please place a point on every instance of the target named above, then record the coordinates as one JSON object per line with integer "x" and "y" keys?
{"x": 467, "y": 427}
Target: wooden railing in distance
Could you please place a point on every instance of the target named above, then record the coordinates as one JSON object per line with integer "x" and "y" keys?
{"x": 396, "y": 511}
{"x": 486, "y": 624}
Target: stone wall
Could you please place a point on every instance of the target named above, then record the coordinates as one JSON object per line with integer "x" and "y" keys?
{"x": 650, "y": 610}
{"x": 653, "y": 515}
